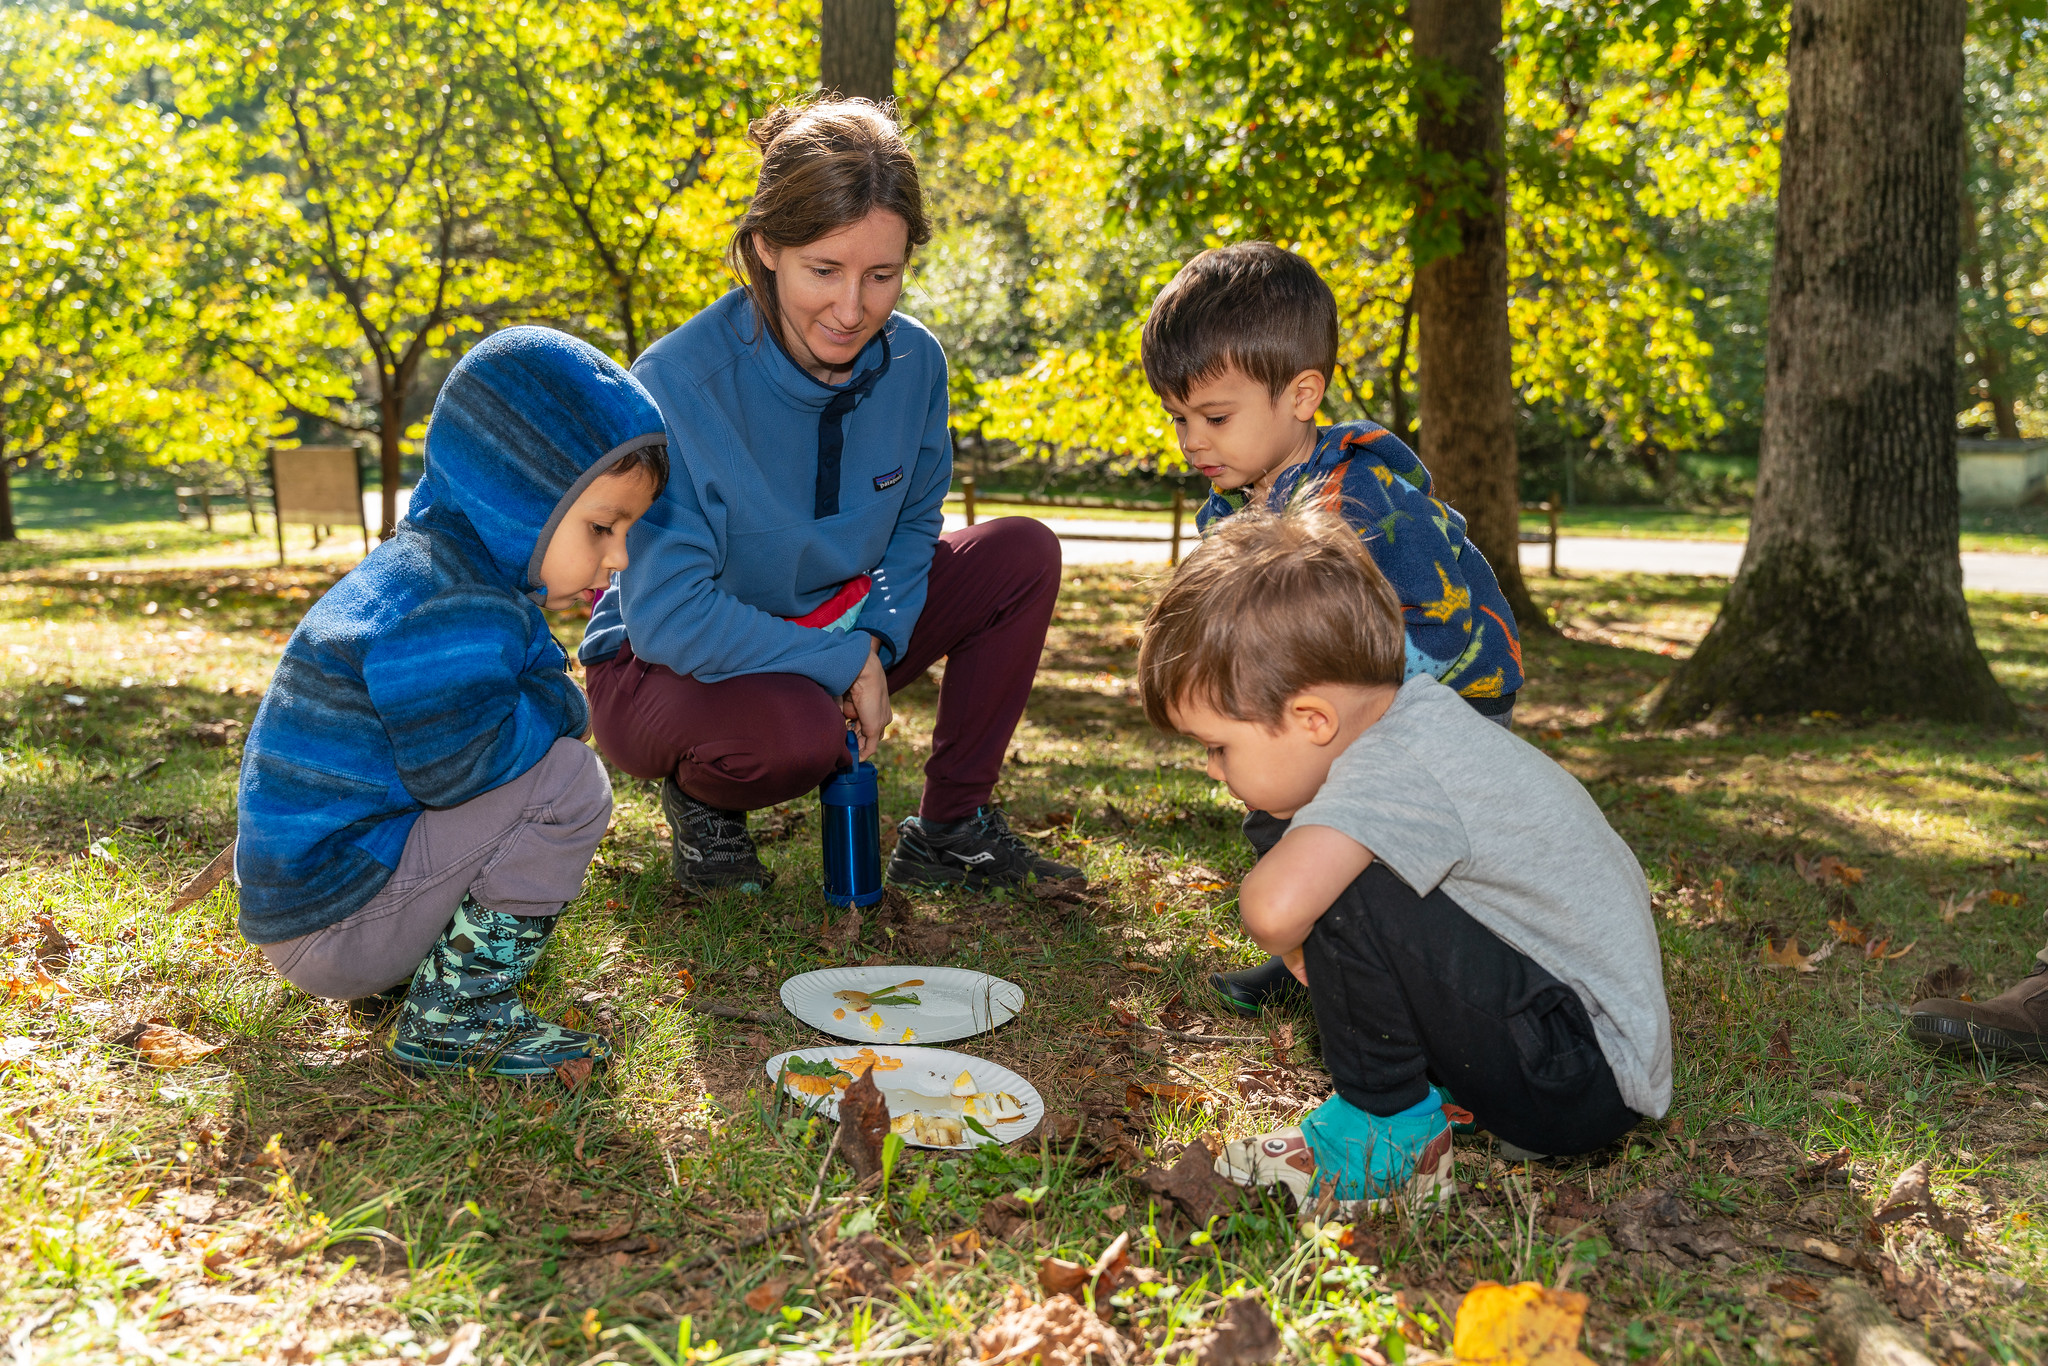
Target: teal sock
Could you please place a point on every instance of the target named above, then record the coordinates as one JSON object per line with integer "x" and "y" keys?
{"x": 1370, "y": 1156}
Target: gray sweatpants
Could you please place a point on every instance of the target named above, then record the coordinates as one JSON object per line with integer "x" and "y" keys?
{"x": 522, "y": 849}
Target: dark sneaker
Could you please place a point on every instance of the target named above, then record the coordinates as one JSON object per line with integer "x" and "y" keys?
{"x": 463, "y": 1009}
{"x": 710, "y": 847}
{"x": 978, "y": 852}
{"x": 1251, "y": 990}
{"x": 2012, "y": 1024}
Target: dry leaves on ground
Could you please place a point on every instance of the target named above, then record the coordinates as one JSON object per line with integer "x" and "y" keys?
{"x": 1059, "y": 1332}
{"x": 1243, "y": 1336}
{"x": 863, "y": 1125}
{"x": 1519, "y": 1325}
{"x": 160, "y": 1045}
{"x": 1105, "y": 1274}
{"x": 1826, "y": 869}
{"x": 767, "y": 1296}
{"x": 1193, "y": 1186}
{"x": 1953, "y": 906}
{"x": 1787, "y": 955}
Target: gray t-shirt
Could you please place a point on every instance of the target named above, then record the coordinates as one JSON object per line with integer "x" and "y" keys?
{"x": 1447, "y": 799}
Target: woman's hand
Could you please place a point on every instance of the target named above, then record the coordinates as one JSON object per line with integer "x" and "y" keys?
{"x": 866, "y": 703}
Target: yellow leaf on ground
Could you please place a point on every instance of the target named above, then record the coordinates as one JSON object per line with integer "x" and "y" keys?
{"x": 1519, "y": 1325}
{"x": 162, "y": 1046}
{"x": 1846, "y": 933}
{"x": 1216, "y": 941}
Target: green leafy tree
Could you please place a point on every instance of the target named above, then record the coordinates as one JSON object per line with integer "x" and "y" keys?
{"x": 391, "y": 196}
{"x": 632, "y": 160}
{"x": 2004, "y": 329}
{"x": 103, "y": 190}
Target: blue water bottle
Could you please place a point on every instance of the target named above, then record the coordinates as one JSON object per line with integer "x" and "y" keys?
{"x": 851, "y": 810}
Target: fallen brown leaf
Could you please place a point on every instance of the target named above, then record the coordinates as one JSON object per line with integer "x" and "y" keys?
{"x": 1787, "y": 955}
{"x": 460, "y": 1349}
{"x": 1058, "y": 1332}
{"x": 1243, "y": 1336}
{"x": 1193, "y": 1185}
{"x": 1942, "y": 982}
{"x": 1952, "y": 906}
{"x": 574, "y": 1072}
{"x": 767, "y": 1296}
{"x": 1827, "y": 868}
{"x": 1795, "y": 1289}
{"x": 160, "y": 1045}
{"x": 610, "y": 1233}
{"x": 863, "y": 1124}
{"x": 1845, "y": 933}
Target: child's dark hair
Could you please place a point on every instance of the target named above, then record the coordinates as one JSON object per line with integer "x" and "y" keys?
{"x": 652, "y": 457}
{"x": 1251, "y": 305}
{"x": 1271, "y": 603}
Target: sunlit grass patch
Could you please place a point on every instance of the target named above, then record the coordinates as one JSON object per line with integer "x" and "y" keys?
{"x": 574, "y": 1224}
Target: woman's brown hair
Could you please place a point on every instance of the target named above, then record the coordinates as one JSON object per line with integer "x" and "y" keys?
{"x": 824, "y": 166}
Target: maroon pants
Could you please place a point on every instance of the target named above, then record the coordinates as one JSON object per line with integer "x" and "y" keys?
{"x": 754, "y": 741}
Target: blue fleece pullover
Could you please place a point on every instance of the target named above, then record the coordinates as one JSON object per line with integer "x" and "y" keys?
{"x": 427, "y": 676}
{"x": 782, "y": 489}
{"x": 1459, "y": 627}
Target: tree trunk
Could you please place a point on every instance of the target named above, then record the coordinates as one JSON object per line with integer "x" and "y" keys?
{"x": 1850, "y": 595}
{"x": 6, "y": 493}
{"x": 390, "y": 457}
{"x": 857, "y": 49}
{"x": 1464, "y": 364}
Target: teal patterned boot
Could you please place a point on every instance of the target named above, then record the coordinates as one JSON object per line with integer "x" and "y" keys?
{"x": 463, "y": 1009}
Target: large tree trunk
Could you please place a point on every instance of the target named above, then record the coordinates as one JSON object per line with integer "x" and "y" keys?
{"x": 1464, "y": 364}
{"x": 1850, "y": 596}
{"x": 857, "y": 49}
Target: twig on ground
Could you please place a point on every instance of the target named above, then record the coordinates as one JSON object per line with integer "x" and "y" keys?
{"x": 1182, "y": 1036}
{"x": 818, "y": 1190}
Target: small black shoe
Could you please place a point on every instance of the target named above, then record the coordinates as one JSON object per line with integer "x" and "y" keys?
{"x": 710, "y": 847}
{"x": 978, "y": 852}
{"x": 1251, "y": 990}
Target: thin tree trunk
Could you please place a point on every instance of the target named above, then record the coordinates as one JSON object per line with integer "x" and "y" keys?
{"x": 1464, "y": 364}
{"x": 7, "y": 532}
{"x": 390, "y": 456}
{"x": 857, "y": 49}
{"x": 1850, "y": 596}
{"x": 1398, "y": 381}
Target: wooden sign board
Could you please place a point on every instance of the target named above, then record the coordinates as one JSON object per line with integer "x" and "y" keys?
{"x": 318, "y": 486}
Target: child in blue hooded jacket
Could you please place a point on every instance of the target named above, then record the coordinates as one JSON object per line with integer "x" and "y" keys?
{"x": 417, "y": 803}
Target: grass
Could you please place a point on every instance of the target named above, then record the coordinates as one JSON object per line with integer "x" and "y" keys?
{"x": 289, "y": 1196}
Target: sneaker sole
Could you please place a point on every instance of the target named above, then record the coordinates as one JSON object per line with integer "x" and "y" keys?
{"x": 1963, "y": 1038}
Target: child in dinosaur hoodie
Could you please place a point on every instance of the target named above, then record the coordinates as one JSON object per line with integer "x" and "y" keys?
{"x": 417, "y": 803}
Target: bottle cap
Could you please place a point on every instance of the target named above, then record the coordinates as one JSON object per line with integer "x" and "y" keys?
{"x": 855, "y": 786}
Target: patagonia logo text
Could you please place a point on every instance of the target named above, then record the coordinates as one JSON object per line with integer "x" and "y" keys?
{"x": 883, "y": 481}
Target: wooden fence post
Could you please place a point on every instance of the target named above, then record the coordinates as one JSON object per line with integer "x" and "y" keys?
{"x": 967, "y": 493}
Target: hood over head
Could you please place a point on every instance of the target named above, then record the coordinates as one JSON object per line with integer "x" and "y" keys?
{"x": 526, "y": 420}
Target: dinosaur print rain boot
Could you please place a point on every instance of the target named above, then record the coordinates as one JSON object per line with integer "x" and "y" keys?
{"x": 463, "y": 1009}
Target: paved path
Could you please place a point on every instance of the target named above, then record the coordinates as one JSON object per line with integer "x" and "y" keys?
{"x": 1983, "y": 571}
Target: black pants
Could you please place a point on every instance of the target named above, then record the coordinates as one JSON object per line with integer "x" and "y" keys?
{"x": 1411, "y": 989}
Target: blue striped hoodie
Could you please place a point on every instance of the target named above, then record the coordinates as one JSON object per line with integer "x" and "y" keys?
{"x": 427, "y": 676}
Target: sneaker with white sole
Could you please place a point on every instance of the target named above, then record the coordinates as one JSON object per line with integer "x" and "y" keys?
{"x": 710, "y": 848}
{"x": 977, "y": 852}
{"x": 1366, "y": 1161}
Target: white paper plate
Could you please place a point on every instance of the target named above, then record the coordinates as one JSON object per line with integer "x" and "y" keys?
{"x": 929, "y": 1072}
{"x": 953, "y": 1003}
